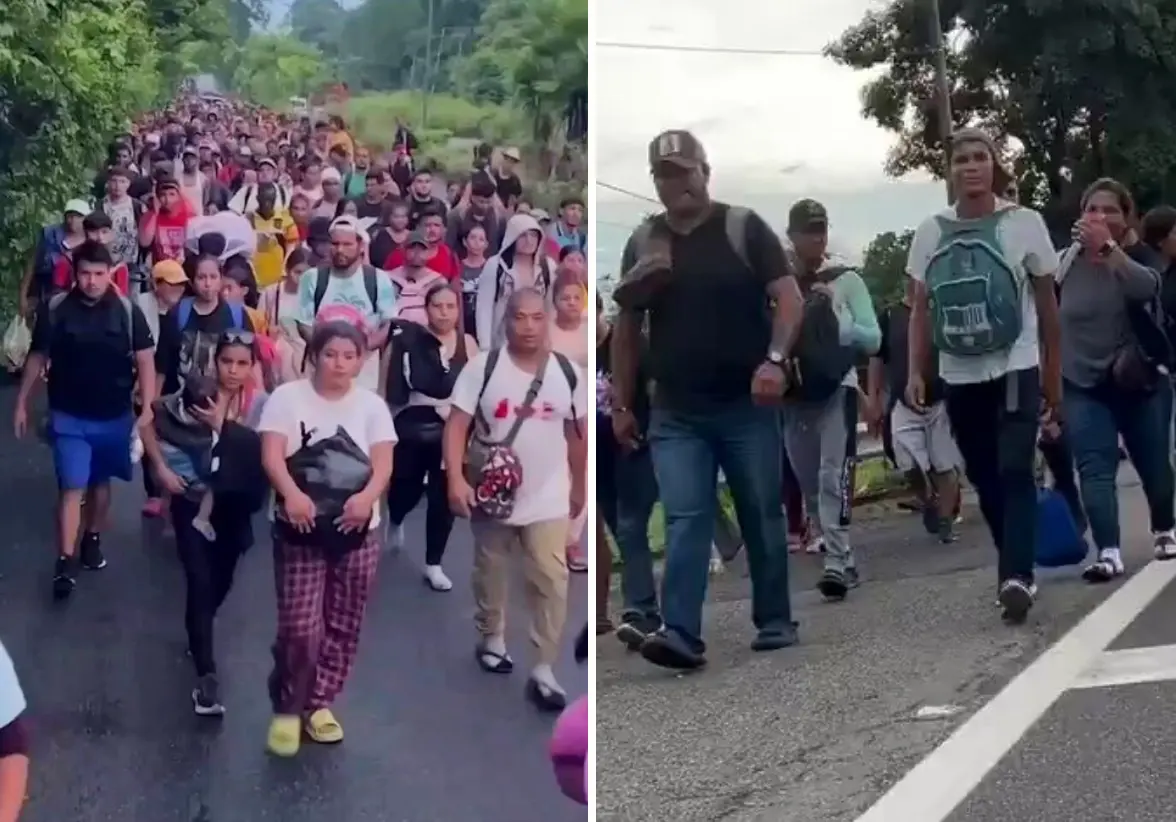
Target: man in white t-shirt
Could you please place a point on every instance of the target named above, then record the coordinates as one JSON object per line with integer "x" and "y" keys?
{"x": 14, "y": 741}
{"x": 552, "y": 450}
{"x": 349, "y": 290}
{"x": 990, "y": 266}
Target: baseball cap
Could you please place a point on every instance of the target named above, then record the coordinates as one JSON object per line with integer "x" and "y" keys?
{"x": 807, "y": 215}
{"x": 168, "y": 271}
{"x": 164, "y": 183}
{"x": 540, "y": 215}
{"x": 345, "y": 224}
{"x": 678, "y": 147}
{"x": 77, "y": 206}
{"x": 418, "y": 238}
{"x": 332, "y": 175}
{"x": 190, "y": 150}
{"x": 266, "y": 161}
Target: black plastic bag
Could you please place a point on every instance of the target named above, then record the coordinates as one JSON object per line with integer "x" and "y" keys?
{"x": 330, "y": 472}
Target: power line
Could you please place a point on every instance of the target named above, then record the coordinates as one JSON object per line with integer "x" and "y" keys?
{"x": 712, "y": 49}
{"x": 628, "y": 193}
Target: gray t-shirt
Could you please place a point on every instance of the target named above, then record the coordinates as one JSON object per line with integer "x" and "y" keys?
{"x": 1094, "y": 318}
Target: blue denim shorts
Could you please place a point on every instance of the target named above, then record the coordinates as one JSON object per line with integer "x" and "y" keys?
{"x": 90, "y": 452}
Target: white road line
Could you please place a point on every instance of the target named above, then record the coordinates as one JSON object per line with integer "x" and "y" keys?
{"x": 1130, "y": 667}
{"x": 934, "y": 787}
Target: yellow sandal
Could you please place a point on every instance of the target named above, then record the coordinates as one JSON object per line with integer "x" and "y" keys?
{"x": 285, "y": 735}
{"x": 322, "y": 727}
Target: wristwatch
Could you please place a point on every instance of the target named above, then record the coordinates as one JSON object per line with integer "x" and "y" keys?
{"x": 776, "y": 357}
{"x": 1109, "y": 247}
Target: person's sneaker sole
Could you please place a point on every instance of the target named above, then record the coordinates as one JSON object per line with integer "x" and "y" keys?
{"x": 205, "y": 710}
{"x": 63, "y": 587}
{"x": 1016, "y": 603}
{"x": 833, "y": 590}
{"x": 773, "y": 642}
{"x": 630, "y": 637}
{"x": 95, "y": 566}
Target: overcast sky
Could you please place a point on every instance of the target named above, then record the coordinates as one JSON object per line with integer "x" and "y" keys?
{"x": 775, "y": 128}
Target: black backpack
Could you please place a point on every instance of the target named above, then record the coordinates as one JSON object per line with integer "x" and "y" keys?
{"x": 819, "y": 360}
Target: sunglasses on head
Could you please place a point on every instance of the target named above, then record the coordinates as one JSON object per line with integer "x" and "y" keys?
{"x": 238, "y": 338}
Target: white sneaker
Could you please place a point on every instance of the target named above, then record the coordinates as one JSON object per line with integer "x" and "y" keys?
{"x": 435, "y": 578}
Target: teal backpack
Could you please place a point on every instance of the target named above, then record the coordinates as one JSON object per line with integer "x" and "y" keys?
{"x": 974, "y": 292}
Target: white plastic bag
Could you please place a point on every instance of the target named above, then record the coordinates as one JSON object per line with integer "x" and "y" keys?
{"x": 17, "y": 340}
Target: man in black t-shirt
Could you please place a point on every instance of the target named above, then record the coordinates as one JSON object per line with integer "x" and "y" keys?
{"x": 93, "y": 341}
{"x": 421, "y": 199}
{"x": 700, "y": 275}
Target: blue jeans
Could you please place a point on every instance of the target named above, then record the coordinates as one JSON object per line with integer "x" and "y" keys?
{"x": 626, "y": 491}
{"x": 688, "y": 450}
{"x": 1095, "y": 418}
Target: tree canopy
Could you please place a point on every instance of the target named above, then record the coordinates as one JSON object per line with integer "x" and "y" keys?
{"x": 1080, "y": 89}
{"x": 884, "y": 267}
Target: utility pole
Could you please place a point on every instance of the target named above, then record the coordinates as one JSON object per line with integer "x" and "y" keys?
{"x": 943, "y": 91}
{"x": 427, "y": 82}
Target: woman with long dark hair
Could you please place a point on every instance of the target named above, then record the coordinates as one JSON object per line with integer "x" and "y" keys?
{"x": 423, "y": 365}
{"x": 1111, "y": 386}
{"x": 238, "y": 490}
{"x": 327, "y": 449}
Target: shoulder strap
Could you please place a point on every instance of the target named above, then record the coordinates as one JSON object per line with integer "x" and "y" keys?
{"x": 737, "y": 220}
{"x": 55, "y": 301}
{"x": 184, "y": 312}
{"x": 528, "y": 403}
{"x": 372, "y": 286}
{"x": 1068, "y": 257}
{"x": 129, "y": 308}
{"x": 491, "y": 363}
{"x": 569, "y": 371}
{"x": 321, "y": 281}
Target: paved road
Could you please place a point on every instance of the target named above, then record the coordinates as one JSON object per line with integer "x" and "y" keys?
{"x": 430, "y": 738}
{"x": 820, "y": 732}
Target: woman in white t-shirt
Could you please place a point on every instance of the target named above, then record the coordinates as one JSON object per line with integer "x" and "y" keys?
{"x": 326, "y": 534}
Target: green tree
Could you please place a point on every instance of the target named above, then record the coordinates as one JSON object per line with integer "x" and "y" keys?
{"x": 533, "y": 53}
{"x": 1080, "y": 89}
{"x": 71, "y": 76}
{"x": 272, "y": 68}
{"x": 884, "y": 267}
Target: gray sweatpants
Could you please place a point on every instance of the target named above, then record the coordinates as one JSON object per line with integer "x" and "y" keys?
{"x": 815, "y": 436}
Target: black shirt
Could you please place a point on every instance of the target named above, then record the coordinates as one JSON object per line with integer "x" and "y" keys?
{"x": 181, "y": 351}
{"x": 508, "y": 187}
{"x": 418, "y": 207}
{"x": 382, "y": 247}
{"x": 91, "y": 353}
{"x": 894, "y": 351}
{"x": 367, "y": 210}
{"x": 710, "y": 327}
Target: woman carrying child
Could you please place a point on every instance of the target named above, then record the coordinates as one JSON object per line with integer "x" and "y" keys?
{"x": 224, "y": 483}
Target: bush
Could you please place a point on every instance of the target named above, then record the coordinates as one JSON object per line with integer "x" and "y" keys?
{"x": 372, "y": 118}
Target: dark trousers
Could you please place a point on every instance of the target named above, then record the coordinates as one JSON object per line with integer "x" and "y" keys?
{"x": 689, "y": 449}
{"x": 415, "y": 463}
{"x": 995, "y": 426}
{"x": 208, "y": 572}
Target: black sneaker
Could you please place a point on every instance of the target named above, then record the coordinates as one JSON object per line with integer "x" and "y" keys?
{"x": 635, "y": 629}
{"x": 206, "y": 697}
{"x": 833, "y": 585}
{"x": 931, "y": 516}
{"x": 947, "y": 532}
{"x": 775, "y": 639}
{"x": 64, "y": 577}
{"x": 668, "y": 650}
{"x": 91, "y": 550}
{"x": 1016, "y": 598}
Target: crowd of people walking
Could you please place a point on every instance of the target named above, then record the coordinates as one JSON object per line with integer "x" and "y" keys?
{"x": 279, "y": 320}
{"x": 1004, "y": 346}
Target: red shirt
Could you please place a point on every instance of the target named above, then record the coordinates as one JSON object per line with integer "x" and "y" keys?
{"x": 63, "y": 278}
{"x": 443, "y": 261}
{"x": 226, "y": 173}
{"x": 171, "y": 231}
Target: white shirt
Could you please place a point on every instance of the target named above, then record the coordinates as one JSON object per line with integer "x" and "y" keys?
{"x": 361, "y": 413}
{"x": 541, "y": 445}
{"x": 12, "y": 698}
{"x": 1030, "y": 252}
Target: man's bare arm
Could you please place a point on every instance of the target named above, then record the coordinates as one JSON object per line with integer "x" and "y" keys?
{"x": 917, "y": 333}
{"x": 787, "y": 311}
{"x": 625, "y": 353}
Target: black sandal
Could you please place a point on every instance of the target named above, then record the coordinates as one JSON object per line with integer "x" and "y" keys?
{"x": 502, "y": 663}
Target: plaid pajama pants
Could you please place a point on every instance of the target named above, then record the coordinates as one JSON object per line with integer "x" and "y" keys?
{"x": 321, "y": 603}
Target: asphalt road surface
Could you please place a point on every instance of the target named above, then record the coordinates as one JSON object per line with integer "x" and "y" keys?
{"x": 837, "y": 729}
{"x": 429, "y": 737}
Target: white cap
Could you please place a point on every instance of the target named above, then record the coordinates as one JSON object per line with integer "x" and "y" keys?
{"x": 332, "y": 175}
{"x": 511, "y": 153}
{"x": 78, "y": 206}
{"x": 345, "y": 223}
